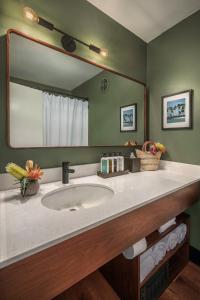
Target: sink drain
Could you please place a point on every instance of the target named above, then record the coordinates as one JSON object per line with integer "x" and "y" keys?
{"x": 73, "y": 209}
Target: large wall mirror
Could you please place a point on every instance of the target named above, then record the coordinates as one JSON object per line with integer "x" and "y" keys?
{"x": 60, "y": 100}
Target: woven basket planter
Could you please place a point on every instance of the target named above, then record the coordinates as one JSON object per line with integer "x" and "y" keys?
{"x": 149, "y": 161}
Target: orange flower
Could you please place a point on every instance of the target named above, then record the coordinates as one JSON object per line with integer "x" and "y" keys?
{"x": 35, "y": 174}
{"x": 33, "y": 170}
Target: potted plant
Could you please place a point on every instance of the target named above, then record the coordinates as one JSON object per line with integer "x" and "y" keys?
{"x": 27, "y": 177}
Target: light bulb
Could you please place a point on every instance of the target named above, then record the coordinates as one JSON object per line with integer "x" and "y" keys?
{"x": 30, "y": 14}
{"x": 104, "y": 52}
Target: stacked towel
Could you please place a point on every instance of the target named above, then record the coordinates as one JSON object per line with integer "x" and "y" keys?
{"x": 171, "y": 240}
{"x": 146, "y": 266}
{"x": 145, "y": 254}
{"x": 152, "y": 257}
{"x": 181, "y": 231}
{"x": 158, "y": 251}
{"x": 167, "y": 225}
{"x": 135, "y": 249}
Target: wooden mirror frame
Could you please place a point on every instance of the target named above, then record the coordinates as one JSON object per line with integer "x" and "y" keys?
{"x": 77, "y": 57}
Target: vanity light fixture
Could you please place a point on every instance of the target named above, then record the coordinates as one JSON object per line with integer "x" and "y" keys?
{"x": 68, "y": 42}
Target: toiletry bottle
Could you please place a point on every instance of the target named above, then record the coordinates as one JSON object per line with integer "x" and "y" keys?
{"x": 104, "y": 164}
{"x": 115, "y": 165}
{"x": 118, "y": 162}
{"x": 111, "y": 163}
{"x": 121, "y": 162}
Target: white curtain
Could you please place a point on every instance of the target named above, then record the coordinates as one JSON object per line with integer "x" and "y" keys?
{"x": 65, "y": 121}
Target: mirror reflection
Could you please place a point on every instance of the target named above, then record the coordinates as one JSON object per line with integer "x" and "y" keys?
{"x": 57, "y": 100}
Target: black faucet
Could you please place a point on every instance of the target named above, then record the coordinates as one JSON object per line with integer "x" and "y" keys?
{"x": 66, "y": 171}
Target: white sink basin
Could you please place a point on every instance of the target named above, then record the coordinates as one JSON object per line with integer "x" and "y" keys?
{"x": 77, "y": 196}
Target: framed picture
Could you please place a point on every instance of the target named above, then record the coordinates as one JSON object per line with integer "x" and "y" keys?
{"x": 177, "y": 110}
{"x": 128, "y": 118}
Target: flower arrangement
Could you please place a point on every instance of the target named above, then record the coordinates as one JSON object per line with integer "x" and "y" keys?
{"x": 28, "y": 177}
{"x": 150, "y": 155}
{"x": 157, "y": 147}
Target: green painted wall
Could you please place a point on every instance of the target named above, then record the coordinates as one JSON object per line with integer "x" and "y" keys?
{"x": 81, "y": 19}
{"x": 104, "y": 108}
{"x": 173, "y": 66}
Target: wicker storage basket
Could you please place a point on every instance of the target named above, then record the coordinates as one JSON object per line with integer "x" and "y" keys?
{"x": 149, "y": 161}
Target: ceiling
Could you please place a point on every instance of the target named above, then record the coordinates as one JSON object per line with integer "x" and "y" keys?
{"x": 147, "y": 18}
{"x": 34, "y": 62}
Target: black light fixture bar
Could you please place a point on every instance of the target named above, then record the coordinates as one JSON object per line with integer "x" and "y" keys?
{"x": 68, "y": 41}
{"x": 45, "y": 24}
{"x": 75, "y": 39}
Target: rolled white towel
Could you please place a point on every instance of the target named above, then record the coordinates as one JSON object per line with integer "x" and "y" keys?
{"x": 146, "y": 266}
{"x": 167, "y": 225}
{"x": 145, "y": 254}
{"x": 171, "y": 240}
{"x": 181, "y": 231}
{"x": 159, "y": 251}
{"x": 135, "y": 249}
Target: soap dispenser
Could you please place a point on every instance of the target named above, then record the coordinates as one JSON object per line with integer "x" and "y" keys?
{"x": 111, "y": 163}
{"x": 121, "y": 162}
{"x": 104, "y": 164}
{"x": 115, "y": 163}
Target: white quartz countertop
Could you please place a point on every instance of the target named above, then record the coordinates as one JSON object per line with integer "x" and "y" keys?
{"x": 27, "y": 227}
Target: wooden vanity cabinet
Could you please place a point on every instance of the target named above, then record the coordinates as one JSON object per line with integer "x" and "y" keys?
{"x": 48, "y": 273}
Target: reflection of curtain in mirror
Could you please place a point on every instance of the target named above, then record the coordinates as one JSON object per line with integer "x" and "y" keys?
{"x": 65, "y": 121}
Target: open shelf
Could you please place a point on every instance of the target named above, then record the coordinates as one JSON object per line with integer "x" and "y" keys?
{"x": 92, "y": 287}
{"x": 124, "y": 275}
{"x": 167, "y": 257}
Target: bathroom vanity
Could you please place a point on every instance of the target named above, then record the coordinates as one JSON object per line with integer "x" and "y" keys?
{"x": 46, "y": 249}
{"x": 64, "y": 237}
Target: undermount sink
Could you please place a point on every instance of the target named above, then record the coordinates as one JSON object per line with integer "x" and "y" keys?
{"x": 77, "y": 196}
